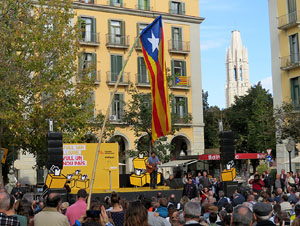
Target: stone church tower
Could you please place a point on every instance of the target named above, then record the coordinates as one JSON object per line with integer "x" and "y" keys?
{"x": 237, "y": 69}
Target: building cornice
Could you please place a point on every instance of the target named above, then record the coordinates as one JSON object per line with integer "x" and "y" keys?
{"x": 137, "y": 12}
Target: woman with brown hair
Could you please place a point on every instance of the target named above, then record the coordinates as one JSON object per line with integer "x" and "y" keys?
{"x": 117, "y": 213}
{"x": 136, "y": 214}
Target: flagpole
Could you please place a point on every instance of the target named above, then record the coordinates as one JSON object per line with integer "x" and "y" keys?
{"x": 105, "y": 120}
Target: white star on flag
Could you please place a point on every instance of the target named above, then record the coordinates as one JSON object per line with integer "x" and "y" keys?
{"x": 154, "y": 41}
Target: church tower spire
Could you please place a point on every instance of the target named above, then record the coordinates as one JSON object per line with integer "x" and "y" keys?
{"x": 237, "y": 69}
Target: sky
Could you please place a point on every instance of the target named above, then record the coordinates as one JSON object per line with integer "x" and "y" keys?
{"x": 251, "y": 18}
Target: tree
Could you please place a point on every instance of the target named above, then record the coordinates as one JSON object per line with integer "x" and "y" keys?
{"x": 251, "y": 119}
{"x": 138, "y": 114}
{"x": 39, "y": 77}
{"x": 287, "y": 122}
{"x": 211, "y": 116}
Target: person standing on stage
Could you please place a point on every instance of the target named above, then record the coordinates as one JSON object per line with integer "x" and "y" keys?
{"x": 152, "y": 163}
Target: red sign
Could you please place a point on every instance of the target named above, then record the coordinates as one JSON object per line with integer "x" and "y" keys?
{"x": 237, "y": 156}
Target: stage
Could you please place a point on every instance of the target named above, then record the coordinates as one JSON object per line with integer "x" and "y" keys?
{"x": 134, "y": 192}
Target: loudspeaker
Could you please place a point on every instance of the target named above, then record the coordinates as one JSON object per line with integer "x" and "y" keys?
{"x": 55, "y": 149}
{"x": 229, "y": 187}
{"x": 226, "y": 147}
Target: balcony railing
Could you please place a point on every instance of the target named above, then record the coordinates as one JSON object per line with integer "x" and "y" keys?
{"x": 115, "y": 3}
{"x": 111, "y": 78}
{"x": 91, "y": 39}
{"x": 87, "y": 1}
{"x": 117, "y": 41}
{"x": 288, "y": 20}
{"x": 179, "y": 46}
{"x": 144, "y": 7}
{"x": 94, "y": 76}
{"x": 142, "y": 80}
{"x": 290, "y": 62}
{"x": 176, "y": 11}
{"x": 181, "y": 82}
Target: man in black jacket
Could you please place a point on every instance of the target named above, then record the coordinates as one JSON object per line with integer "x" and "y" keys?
{"x": 222, "y": 201}
{"x": 190, "y": 189}
{"x": 262, "y": 214}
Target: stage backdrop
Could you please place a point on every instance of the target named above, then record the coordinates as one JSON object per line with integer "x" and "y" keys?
{"x": 78, "y": 163}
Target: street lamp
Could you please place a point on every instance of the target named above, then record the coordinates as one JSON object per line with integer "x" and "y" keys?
{"x": 290, "y": 147}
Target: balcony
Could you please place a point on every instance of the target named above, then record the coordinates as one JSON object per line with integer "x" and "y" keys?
{"x": 288, "y": 20}
{"x": 116, "y": 3}
{"x": 87, "y": 1}
{"x": 181, "y": 82}
{"x": 142, "y": 80}
{"x": 111, "y": 78}
{"x": 117, "y": 41}
{"x": 94, "y": 76}
{"x": 179, "y": 47}
{"x": 290, "y": 62}
{"x": 90, "y": 39}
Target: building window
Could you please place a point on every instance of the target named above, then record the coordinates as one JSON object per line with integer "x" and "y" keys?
{"x": 141, "y": 27}
{"x": 294, "y": 48}
{"x": 235, "y": 74}
{"x": 117, "y": 107}
{"x": 177, "y": 38}
{"x": 241, "y": 74}
{"x": 144, "y": 4}
{"x": 295, "y": 92}
{"x": 116, "y": 62}
{"x": 87, "y": 64}
{"x": 178, "y": 67}
{"x": 292, "y": 11}
{"x": 116, "y": 3}
{"x": 177, "y": 7}
{"x": 142, "y": 71}
{"x": 117, "y": 32}
{"x": 87, "y": 1}
{"x": 88, "y": 29}
{"x": 180, "y": 108}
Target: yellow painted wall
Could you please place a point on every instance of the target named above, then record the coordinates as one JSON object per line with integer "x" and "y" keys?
{"x": 285, "y": 50}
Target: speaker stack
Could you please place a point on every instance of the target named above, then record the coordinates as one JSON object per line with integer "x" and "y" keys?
{"x": 55, "y": 149}
{"x": 226, "y": 147}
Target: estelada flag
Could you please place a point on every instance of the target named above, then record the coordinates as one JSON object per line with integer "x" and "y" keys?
{"x": 152, "y": 42}
{"x": 181, "y": 80}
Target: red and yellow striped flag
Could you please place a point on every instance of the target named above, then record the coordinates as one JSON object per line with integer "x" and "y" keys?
{"x": 152, "y": 42}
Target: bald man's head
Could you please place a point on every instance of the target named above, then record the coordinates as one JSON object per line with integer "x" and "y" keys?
{"x": 4, "y": 201}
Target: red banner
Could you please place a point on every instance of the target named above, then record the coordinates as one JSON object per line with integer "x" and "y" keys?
{"x": 237, "y": 156}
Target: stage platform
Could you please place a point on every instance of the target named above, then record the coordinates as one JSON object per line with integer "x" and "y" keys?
{"x": 134, "y": 192}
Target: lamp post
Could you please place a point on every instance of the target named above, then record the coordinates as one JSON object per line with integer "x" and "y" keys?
{"x": 290, "y": 147}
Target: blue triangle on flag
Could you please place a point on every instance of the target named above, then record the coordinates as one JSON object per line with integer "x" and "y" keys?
{"x": 177, "y": 80}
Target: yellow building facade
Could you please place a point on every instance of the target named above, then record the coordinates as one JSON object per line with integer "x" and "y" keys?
{"x": 108, "y": 31}
{"x": 284, "y": 17}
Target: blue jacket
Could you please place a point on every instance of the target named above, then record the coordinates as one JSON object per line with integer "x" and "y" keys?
{"x": 162, "y": 211}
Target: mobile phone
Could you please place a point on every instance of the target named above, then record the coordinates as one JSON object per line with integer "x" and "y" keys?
{"x": 93, "y": 213}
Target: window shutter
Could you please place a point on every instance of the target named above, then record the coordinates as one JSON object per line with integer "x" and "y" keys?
{"x": 172, "y": 68}
{"x": 109, "y": 38}
{"x": 80, "y": 65}
{"x": 94, "y": 30}
{"x": 94, "y": 63}
{"x": 173, "y": 103}
{"x": 180, "y": 34}
{"x": 182, "y": 5}
{"x": 292, "y": 90}
{"x": 137, "y": 29}
{"x": 121, "y": 95}
{"x": 139, "y": 69}
{"x": 185, "y": 106}
{"x": 123, "y": 37}
{"x": 170, "y": 7}
{"x": 183, "y": 68}
{"x": 121, "y": 3}
{"x": 111, "y": 2}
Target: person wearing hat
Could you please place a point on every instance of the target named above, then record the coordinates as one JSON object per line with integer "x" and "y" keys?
{"x": 262, "y": 214}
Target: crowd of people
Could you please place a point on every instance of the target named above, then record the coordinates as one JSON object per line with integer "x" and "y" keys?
{"x": 263, "y": 201}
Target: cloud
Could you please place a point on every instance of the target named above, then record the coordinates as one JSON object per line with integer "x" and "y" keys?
{"x": 267, "y": 84}
{"x": 212, "y": 44}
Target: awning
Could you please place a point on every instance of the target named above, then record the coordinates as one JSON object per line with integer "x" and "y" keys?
{"x": 176, "y": 163}
{"x": 237, "y": 156}
{"x": 293, "y": 160}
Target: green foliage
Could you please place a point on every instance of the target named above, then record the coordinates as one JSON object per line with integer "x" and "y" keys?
{"x": 38, "y": 74}
{"x": 211, "y": 116}
{"x": 261, "y": 168}
{"x": 287, "y": 122}
{"x": 251, "y": 119}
